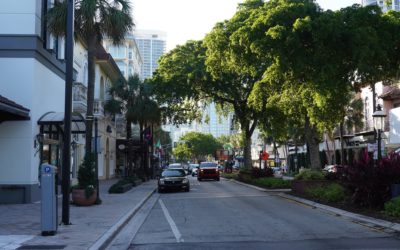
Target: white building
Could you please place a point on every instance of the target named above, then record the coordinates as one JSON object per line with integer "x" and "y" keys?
{"x": 126, "y": 55}
{"x": 384, "y": 5}
{"x": 32, "y": 101}
{"x": 33, "y": 83}
{"x": 152, "y": 45}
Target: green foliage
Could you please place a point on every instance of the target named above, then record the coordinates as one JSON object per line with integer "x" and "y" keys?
{"x": 392, "y": 207}
{"x": 196, "y": 145}
{"x": 230, "y": 175}
{"x": 118, "y": 187}
{"x": 309, "y": 174}
{"x": 331, "y": 193}
{"x": 272, "y": 182}
{"x": 94, "y": 20}
{"x": 86, "y": 175}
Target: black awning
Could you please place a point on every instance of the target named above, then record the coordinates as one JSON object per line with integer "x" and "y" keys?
{"x": 11, "y": 111}
{"x": 78, "y": 125}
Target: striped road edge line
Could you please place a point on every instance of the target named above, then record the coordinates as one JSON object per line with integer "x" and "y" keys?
{"x": 109, "y": 235}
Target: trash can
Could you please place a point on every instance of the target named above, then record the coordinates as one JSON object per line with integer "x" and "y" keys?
{"x": 49, "y": 200}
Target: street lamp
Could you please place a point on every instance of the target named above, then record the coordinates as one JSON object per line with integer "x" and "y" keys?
{"x": 379, "y": 121}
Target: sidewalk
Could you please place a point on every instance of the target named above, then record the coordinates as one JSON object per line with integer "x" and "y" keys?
{"x": 90, "y": 226}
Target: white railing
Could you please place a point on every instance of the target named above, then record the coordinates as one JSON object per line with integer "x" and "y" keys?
{"x": 79, "y": 97}
{"x": 98, "y": 108}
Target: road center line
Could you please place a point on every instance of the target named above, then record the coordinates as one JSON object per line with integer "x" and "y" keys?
{"x": 171, "y": 222}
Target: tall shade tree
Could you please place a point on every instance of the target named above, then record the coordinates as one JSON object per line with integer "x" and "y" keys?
{"x": 311, "y": 64}
{"x": 94, "y": 19}
{"x": 196, "y": 146}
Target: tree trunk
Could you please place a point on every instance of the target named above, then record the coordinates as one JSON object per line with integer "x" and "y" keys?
{"x": 341, "y": 145}
{"x": 312, "y": 144}
{"x": 247, "y": 150}
{"x": 90, "y": 93}
{"x": 328, "y": 152}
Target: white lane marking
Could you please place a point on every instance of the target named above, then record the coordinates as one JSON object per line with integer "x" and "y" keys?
{"x": 175, "y": 230}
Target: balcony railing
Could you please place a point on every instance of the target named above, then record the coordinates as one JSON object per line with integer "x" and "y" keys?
{"x": 79, "y": 95}
{"x": 98, "y": 108}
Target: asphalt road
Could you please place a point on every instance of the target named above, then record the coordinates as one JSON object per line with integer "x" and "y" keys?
{"x": 226, "y": 215}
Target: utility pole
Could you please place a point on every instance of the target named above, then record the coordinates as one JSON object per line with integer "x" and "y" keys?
{"x": 66, "y": 162}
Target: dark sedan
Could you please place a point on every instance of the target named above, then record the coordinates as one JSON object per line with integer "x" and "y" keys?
{"x": 173, "y": 178}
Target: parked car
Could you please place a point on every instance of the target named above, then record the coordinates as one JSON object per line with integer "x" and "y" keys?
{"x": 178, "y": 165}
{"x": 192, "y": 166}
{"x": 208, "y": 170}
{"x": 195, "y": 171}
{"x": 330, "y": 169}
{"x": 173, "y": 178}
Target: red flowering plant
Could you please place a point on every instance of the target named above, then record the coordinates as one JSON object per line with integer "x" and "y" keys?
{"x": 369, "y": 182}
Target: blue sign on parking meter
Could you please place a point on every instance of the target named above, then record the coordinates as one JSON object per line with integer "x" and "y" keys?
{"x": 49, "y": 199}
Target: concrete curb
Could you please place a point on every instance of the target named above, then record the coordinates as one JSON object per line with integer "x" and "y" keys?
{"x": 355, "y": 217}
{"x": 109, "y": 235}
{"x": 259, "y": 188}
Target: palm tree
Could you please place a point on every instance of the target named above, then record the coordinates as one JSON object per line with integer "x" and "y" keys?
{"x": 133, "y": 98}
{"x": 353, "y": 120}
{"x": 94, "y": 19}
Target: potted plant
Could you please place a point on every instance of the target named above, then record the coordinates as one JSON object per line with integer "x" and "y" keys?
{"x": 84, "y": 193}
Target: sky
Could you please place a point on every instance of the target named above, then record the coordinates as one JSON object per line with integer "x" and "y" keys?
{"x": 185, "y": 20}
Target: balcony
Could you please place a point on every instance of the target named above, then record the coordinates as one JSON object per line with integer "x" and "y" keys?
{"x": 79, "y": 95}
{"x": 98, "y": 108}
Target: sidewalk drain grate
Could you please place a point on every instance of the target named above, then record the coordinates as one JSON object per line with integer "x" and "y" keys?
{"x": 42, "y": 247}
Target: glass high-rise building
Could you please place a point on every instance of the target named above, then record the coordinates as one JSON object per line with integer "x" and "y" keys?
{"x": 385, "y": 5}
{"x": 152, "y": 45}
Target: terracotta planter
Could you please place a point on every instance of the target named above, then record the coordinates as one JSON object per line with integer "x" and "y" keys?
{"x": 301, "y": 186}
{"x": 79, "y": 197}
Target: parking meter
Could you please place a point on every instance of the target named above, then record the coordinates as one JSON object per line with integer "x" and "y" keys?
{"x": 49, "y": 199}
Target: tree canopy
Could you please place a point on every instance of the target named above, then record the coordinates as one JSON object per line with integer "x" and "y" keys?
{"x": 196, "y": 146}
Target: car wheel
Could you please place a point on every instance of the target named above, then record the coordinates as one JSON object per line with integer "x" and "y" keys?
{"x": 193, "y": 174}
{"x": 199, "y": 179}
{"x": 160, "y": 190}
{"x": 217, "y": 179}
{"x": 187, "y": 189}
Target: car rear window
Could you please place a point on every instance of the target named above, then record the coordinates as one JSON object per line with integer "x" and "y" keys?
{"x": 208, "y": 165}
{"x": 175, "y": 165}
{"x": 173, "y": 173}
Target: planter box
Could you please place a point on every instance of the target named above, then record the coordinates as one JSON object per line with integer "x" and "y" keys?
{"x": 301, "y": 186}
{"x": 79, "y": 197}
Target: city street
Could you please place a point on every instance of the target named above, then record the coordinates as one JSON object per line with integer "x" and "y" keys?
{"x": 226, "y": 215}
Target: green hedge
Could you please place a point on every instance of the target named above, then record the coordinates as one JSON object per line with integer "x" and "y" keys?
{"x": 331, "y": 193}
{"x": 272, "y": 182}
{"x": 308, "y": 174}
{"x": 392, "y": 207}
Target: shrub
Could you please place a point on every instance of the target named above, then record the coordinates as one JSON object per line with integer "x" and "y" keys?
{"x": 392, "y": 207}
{"x": 230, "y": 175}
{"x": 272, "y": 182}
{"x": 309, "y": 174}
{"x": 370, "y": 183}
{"x": 331, "y": 193}
{"x": 247, "y": 174}
{"x": 260, "y": 173}
{"x": 87, "y": 175}
{"x": 118, "y": 187}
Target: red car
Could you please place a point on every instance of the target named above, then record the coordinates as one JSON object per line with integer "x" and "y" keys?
{"x": 208, "y": 170}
